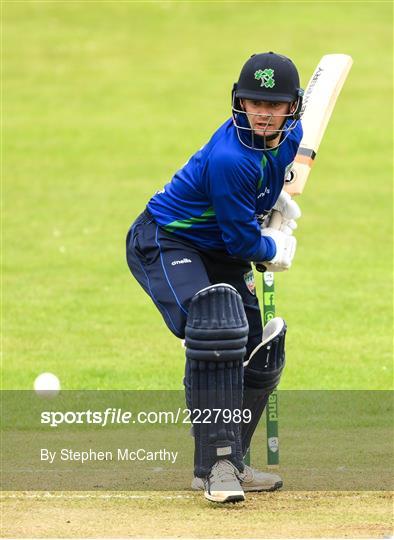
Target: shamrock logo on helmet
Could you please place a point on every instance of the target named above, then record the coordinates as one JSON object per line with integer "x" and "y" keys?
{"x": 266, "y": 76}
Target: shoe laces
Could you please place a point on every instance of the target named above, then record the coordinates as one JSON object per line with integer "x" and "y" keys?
{"x": 247, "y": 474}
{"x": 224, "y": 470}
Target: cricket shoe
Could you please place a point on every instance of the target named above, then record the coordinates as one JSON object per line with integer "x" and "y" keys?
{"x": 250, "y": 480}
{"x": 222, "y": 484}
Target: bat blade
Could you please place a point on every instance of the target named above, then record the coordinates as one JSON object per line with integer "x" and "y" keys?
{"x": 319, "y": 100}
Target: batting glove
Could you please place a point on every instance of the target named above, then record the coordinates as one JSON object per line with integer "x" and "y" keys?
{"x": 285, "y": 250}
{"x": 288, "y": 226}
{"x": 287, "y": 206}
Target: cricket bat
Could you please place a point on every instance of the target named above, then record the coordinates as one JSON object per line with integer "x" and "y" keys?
{"x": 319, "y": 100}
{"x": 318, "y": 103}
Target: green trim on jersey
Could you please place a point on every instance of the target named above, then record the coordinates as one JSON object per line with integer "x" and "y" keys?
{"x": 264, "y": 161}
{"x": 189, "y": 222}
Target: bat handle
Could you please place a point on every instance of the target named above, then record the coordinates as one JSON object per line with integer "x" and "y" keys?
{"x": 276, "y": 219}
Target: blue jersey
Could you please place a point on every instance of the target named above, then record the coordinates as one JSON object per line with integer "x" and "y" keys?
{"x": 217, "y": 198}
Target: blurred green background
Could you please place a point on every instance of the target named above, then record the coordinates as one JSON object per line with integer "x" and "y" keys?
{"x": 102, "y": 102}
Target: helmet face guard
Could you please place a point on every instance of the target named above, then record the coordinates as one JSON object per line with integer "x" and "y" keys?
{"x": 268, "y": 77}
{"x": 260, "y": 139}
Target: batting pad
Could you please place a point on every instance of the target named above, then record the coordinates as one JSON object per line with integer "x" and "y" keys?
{"x": 262, "y": 372}
{"x": 216, "y": 336}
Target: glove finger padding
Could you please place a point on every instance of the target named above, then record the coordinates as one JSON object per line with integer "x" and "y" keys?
{"x": 287, "y": 206}
{"x": 288, "y": 226}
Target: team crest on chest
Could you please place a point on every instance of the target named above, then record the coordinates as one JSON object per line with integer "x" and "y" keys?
{"x": 249, "y": 281}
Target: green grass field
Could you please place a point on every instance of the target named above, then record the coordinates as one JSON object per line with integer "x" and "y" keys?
{"x": 101, "y": 103}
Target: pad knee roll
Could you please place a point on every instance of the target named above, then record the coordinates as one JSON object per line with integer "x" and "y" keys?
{"x": 216, "y": 327}
{"x": 215, "y": 338}
{"x": 264, "y": 367}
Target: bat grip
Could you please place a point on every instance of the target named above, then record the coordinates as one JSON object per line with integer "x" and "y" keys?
{"x": 276, "y": 219}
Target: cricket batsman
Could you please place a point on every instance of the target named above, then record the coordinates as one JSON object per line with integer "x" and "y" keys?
{"x": 191, "y": 250}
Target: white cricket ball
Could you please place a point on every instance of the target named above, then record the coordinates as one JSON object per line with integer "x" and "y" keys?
{"x": 47, "y": 385}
